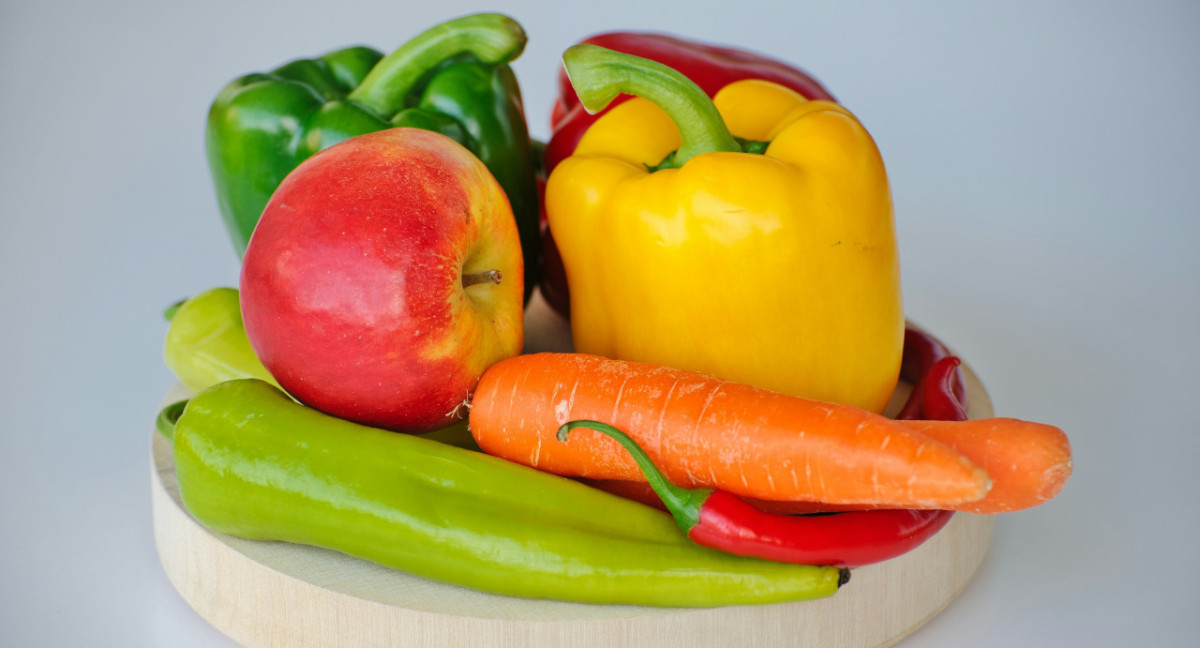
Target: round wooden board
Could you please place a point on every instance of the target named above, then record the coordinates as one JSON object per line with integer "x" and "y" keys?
{"x": 293, "y": 596}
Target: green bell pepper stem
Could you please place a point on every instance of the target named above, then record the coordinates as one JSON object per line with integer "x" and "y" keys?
{"x": 599, "y": 75}
{"x": 683, "y": 503}
{"x": 492, "y": 38}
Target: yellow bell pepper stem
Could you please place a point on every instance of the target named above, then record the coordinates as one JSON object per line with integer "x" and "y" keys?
{"x": 599, "y": 75}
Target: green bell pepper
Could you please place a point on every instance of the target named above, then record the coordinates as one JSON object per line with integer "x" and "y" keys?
{"x": 453, "y": 79}
{"x": 254, "y": 464}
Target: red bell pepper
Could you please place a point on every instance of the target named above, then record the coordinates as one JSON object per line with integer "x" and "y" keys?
{"x": 712, "y": 67}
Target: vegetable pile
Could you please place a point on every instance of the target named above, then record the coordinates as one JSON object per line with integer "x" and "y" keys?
{"x": 717, "y": 230}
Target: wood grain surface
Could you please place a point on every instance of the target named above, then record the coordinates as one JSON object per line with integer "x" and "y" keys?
{"x": 278, "y": 594}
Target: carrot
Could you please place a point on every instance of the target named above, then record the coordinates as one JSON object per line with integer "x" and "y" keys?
{"x": 1028, "y": 463}
{"x": 702, "y": 431}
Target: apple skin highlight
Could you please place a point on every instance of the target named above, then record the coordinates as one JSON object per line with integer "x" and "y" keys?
{"x": 361, "y": 286}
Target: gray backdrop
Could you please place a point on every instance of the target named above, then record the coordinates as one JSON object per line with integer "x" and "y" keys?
{"x": 1042, "y": 160}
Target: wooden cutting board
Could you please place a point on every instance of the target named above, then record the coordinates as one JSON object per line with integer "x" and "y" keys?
{"x": 293, "y": 596}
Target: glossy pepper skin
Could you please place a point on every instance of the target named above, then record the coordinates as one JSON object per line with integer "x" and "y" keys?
{"x": 711, "y": 67}
{"x": 778, "y": 269}
{"x": 939, "y": 389}
{"x": 453, "y": 79}
{"x": 719, "y": 519}
{"x": 206, "y": 342}
{"x": 254, "y": 464}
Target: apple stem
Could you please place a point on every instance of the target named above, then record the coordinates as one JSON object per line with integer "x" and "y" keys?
{"x": 487, "y": 276}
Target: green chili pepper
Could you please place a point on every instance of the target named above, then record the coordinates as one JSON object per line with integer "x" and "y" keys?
{"x": 453, "y": 78}
{"x": 207, "y": 344}
{"x": 254, "y": 464}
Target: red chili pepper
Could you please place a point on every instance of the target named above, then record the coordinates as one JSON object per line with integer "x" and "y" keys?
{"x": 938, "y": 399}
{"x": 722, "y": 521}
{"x": 939, "y": 389}
{"x": 711, "y": 67}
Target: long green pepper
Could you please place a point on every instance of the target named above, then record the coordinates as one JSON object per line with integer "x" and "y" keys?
{"x": 206, "y": 341}
{"x": 206, "y": 344}
{"x": 254, "y": 464}
{"x": 454, "y": 79}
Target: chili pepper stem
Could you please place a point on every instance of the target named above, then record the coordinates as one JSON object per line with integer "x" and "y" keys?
{"x": 684, "y": 504}
{"x": 599, "y": 75}
{"x": 490, "y": 37}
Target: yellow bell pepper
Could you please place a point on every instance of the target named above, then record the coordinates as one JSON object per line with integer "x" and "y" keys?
{"x": 749, "y": 237}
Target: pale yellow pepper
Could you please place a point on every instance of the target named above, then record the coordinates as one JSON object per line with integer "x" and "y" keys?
{"x": 778, "y": 269}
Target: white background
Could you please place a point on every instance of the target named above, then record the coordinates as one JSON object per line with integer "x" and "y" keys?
{"x": 1043, "y": 165}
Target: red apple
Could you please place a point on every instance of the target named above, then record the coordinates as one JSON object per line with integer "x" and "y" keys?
{"x": 383, "y": 278}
